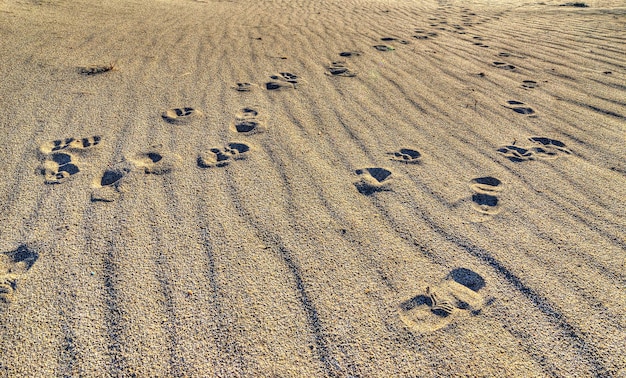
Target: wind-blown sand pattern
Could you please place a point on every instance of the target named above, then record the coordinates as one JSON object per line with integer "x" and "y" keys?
{"x": 273, "y": 188}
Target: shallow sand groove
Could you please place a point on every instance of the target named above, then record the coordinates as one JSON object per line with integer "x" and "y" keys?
{"x": 359, "y": 188}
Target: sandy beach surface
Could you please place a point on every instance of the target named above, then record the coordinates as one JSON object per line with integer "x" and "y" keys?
{"x": 332, "y": 188}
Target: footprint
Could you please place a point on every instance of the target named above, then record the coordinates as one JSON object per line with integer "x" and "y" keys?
{"x": 406, "y": 155}
{"x": 247, "y": 113}
{"x": 485, "y": 198}
{"x": 289, "y": 77}
{"x": 519, "y": 154}
{"x": 70, "y": 144}
{"x": 156, "y": 162}
{"x": 516, "y": 154}
{"x": 221, "y": 157}
{"x": 109, "y": 187}
{"x": 58, "y": 168}
{"x": 238, "y": 150}
{"x": 373, "y": 180}
{"x": 518, "y": 107}
{"x": 423, "y": 313}
{"x": 347, "y": 54}
{"x": 393, "y": 39}
{"x": 551, "y": 143}
{"x": 215, "y": 157}
{"x": 282, "y": 81}
{"x": 545, "y": 148}
{"x": 13, "y": 266}
{"x": 248, "y": 121}
{"x": 243, "y": 87}
{"x": 384, "y": 48}
{"x": 452, "y": 300}
{"x": 180, "y": 115}
{"x": 58, "y": 162}
{"x": 422, "y": 34}
{"x": 504, "y": 66}
{"x": 278, "y": 86}
{"x": 529, "y": 84}
{"x": 339, "y": 69}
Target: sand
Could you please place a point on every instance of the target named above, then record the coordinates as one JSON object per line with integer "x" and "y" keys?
{"x": 273, "y": 188}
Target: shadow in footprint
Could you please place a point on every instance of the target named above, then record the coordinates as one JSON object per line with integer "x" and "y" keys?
{"x": 61, "y": 158}
{"x": 486, "y": 185}
{"x": 485, "y": 203}
{"x": 247, "y": 126}
{"x": 278, "y": 86}
{"x": 111, "y": 177}
{"x": 13, "y": 265}
{"x": 238, "y": 150}
{"x": 525, "y": 111}
{"x": 467, "y": 278}
{"x": 418, "y": 300}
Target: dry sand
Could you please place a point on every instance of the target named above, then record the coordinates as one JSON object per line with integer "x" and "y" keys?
{"x": 253, "y": 188}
